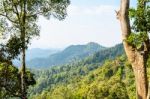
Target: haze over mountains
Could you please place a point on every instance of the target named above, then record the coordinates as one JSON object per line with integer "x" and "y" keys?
{"x": 40, "y": 53}
{"x": 69, "y": 54}
{"x": 36, "y": 53}
{"x": 45, "y": 58}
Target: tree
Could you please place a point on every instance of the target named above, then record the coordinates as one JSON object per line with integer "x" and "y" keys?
{"x": 136, "y": 41}
{"x": 10, "y": 81}
{"x": 18, "y": 18}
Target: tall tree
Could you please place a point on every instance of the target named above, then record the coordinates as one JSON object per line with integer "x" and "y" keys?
{"x": 136, "y": 41}
{"x": 18, "y": 18}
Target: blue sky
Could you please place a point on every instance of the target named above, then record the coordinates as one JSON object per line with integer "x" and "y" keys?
{"x": 87, "y": 21}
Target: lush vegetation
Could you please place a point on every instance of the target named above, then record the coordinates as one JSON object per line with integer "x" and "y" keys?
{"x": 112, "y": 80}
{"x": 10, "y": 81}
{"x": 90, "y": 78}
{"x": 10, "y": 76}
{"x": 104, "y": 75}
{"x": 18, "y": 22}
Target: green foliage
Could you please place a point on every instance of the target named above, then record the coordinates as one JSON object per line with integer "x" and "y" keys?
{"x": 76, "y": 70}
{"x": 18, "y": 18}
{"x": 12, "y": 48}
{"x": 140, "y": 17}
{"x": 108, "y": 53}
{"x": 23, "y": 15}
{"x": 10, "y": 81}
{"x": 30, "y": 78}
{"x": 137, "y": 39}
{"x": 112, "y": 80}
{"x": 132, "y": 13}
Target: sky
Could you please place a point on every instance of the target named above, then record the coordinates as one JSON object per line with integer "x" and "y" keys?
{"x": 87, "y": 21}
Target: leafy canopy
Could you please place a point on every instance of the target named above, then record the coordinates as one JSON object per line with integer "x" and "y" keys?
{"x": 17, "y": 16}
{"x": 140, "y": 19}
{"x": 10, "y": 81}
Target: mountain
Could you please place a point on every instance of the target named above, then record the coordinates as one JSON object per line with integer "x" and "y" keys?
{"x": 39, "y": 53}
{"x": 36, "y": 53}
{"x": 101, "y": 75}
{"x": 71, "y": 53}
{"x": 108, "y": 53}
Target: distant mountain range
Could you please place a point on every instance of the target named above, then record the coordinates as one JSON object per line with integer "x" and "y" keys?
{"x": 71, "y": 53}
{"x": 40, "y": 53}
{"x": 36, "y": 53}
{"x": 45, "y": 58}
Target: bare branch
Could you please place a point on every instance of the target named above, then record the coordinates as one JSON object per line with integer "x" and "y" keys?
{"x": 117, "y": 14}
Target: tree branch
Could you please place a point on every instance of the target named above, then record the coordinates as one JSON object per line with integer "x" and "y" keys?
{"x": 6, "y": 16}
{"x": 17, "y": 12}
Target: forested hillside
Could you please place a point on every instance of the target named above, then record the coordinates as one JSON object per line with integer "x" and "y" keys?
{"x": 112, "y": 80}
{"x": 73, "y": 73}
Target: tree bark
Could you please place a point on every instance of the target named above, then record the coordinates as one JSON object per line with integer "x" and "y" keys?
{"x": 23, "y": 69}
{"x": 136, "y": 58}
{"x": 23, "y": 75}
{"x": 139, "y": 69}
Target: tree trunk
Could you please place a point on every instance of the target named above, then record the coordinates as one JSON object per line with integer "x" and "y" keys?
{"x": 23, "y": 69}
{"x": 136, "y": 58}
{"x": 23, "y": 75}
{"x": 139, "y": 68}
